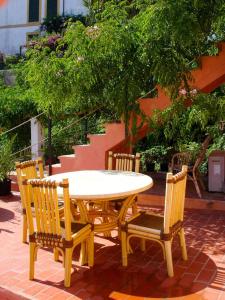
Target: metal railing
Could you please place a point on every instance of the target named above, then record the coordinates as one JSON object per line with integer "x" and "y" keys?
{"x": 21, "y": 124}
{"x": 25, "y": 153}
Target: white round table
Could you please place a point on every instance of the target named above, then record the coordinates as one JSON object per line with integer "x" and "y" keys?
{"x": 103, "y": 185}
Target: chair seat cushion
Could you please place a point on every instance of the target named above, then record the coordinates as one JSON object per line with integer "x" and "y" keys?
{"x": 60, "y": 204}
{"x": 75, "y": 227}
{"x": 147, "y": 223}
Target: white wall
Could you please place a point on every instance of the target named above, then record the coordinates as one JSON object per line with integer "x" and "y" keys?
{"x": 74, "y": 7}
{"x": 37, "y": 136}
{"x": 14, "y": 12}
{"x": 12, "y": 38}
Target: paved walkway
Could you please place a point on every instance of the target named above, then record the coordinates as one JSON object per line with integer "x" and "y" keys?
{"x": 202, "y": 277}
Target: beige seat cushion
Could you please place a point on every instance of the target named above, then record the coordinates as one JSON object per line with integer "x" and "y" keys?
{"x": 75, "y": 227}
{"x": 147, "y": 222}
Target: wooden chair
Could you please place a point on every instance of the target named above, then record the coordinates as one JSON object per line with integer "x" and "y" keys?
{"x": 30, "y": 169}
{"x": 161, "y": 229}
{"x": 124, "y": 162}
{"x": 194, "y": 174}
{"x": 48, "y": 230}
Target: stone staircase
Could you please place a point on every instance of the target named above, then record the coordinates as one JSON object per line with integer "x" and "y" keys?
{"x": 92, "y": 156}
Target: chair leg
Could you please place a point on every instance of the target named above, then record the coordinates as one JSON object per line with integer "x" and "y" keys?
{"x": 35, "y": 253}
{"x": 143, "y": 245}
{"x": 124, "y": 248}
{"x": 24, "y": 229}
{"x": 169, "y": 259}
{"x": 183, "y": 244}
{"x": 83, "y": 253}
{"x": 56, "y": 254}
{"x": 91, "y": 250}
{"x": 68, "y": 265}
{"x": 32, "y": 260}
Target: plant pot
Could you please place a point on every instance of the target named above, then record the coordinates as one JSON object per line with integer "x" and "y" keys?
{"x": 5, "y": 187}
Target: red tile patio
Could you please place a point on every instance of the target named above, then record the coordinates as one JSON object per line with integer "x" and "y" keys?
{"x": 202, "y": 277}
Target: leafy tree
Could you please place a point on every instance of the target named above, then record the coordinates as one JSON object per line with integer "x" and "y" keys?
{"x": 88, "y": 67}
{"x": 16, "y": 108}
{"x": 108, "y": 71}
{"x": 175, "y": 34}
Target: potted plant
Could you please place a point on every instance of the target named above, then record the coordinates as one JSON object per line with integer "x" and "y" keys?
{"x": 6, "y": 165}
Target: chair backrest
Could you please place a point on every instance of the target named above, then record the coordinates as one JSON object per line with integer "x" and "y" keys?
{"x": 31, "y": 169}
{"x": 174, "y": 199}
{"x": 124, "y": 162}
{"x": 46, "y": 227}
{"x": 185, "y": 158}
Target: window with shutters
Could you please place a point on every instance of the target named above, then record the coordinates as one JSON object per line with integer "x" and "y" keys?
{"x": 52, "y": 8}
{"x": 34, "y": 11}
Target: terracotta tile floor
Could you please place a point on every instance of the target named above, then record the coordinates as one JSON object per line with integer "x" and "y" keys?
{"x": 202, "y": 277}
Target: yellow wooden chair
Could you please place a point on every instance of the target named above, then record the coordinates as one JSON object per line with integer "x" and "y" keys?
{"x": 48, "y": 230}
{"x": 124, "y": 162}
{"x": 30, "y": 169}
{"x": 161, "y": 229}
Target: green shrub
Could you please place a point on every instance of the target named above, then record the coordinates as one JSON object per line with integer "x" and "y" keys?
{"x": 7, "y": 162}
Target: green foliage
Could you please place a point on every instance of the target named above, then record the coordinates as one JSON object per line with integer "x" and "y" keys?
{"x": 6, "y": 62}
{"x": 180, "y": 124}
{"x": 16, "y": 107}
{"x": 172, "y": 34}
{"x": 218, "y": 144}
{"x": 7, "y": 162}
{"x": 192, "y": 148}
{"x": 182, "y": 128}
{"x": 98, "y": 67}
{"x": 11, "y": 60}
{"x": 218, "y": 24}
{"x": 155, "y": 155}
{"x": 57, "y": 24}
{"x": 107, "y": 65}
{"x": 175, "y": 33}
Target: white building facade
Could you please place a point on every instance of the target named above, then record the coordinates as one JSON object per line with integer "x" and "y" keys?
{"x": 21, "y": 19}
